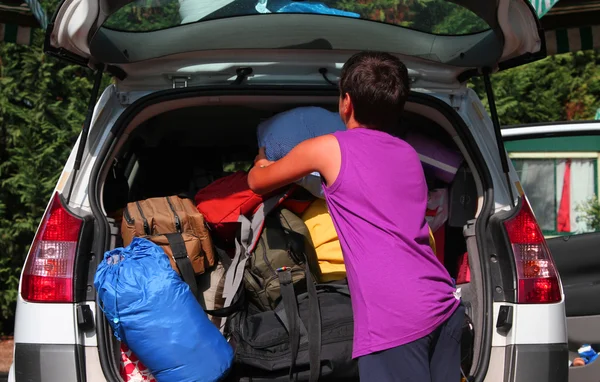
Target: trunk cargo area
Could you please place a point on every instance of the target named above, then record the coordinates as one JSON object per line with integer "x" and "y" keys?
{"x": 178, "y": 147}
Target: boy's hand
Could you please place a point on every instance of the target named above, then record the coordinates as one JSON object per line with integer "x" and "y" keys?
{"x": 261, "y": 159}
{"x": 320, "y": 154}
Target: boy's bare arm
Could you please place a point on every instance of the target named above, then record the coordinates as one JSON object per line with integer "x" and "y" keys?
{"x": 321, "y": 154}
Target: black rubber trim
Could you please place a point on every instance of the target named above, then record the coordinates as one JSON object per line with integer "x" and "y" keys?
{"x": 81, "y": 279}
{"x": 109, "y": 366}
{"x": 49, "y": 362}
{"x": 539, "y": 362}
{"x": 108, "y": 363}
{"x": 80, "y": 363}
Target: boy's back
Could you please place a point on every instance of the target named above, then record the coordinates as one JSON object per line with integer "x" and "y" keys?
{"x": 400, "y": 290}
{"x": 407, "y": 318}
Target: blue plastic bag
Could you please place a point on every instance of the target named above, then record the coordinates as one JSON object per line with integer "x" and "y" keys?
{"x": 588, "y": 354}
{"x": 154, "y": 312}
{"x": 282, "y": 132}
{"x": 318, "y": 8}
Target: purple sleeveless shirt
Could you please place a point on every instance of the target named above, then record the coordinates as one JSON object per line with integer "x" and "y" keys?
{"x": 400, "y": 291}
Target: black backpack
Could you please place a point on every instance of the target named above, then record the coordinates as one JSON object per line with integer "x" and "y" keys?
{"x": 279, "y": 345}
{"x": 309, "y": 334}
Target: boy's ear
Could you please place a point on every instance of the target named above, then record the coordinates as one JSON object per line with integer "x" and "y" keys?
{"x": 346, "y": 107}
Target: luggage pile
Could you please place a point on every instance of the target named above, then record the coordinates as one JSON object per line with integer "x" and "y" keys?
{"x": 233, "y": 285}
{"x": 283, "y": 320}
{"x": 236, "y": 272}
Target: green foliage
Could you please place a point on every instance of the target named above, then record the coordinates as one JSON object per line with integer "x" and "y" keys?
{"x": 591, "y": 211}
{"x": 145, "y": 15}
{"x": 42, "y": 106}
{"x": 458, "y": 21}
{"x": 433, "y": 16}
{"x": 562, "y": 87}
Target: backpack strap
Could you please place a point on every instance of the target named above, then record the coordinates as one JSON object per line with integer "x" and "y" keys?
{"x": 289, "y": 306}
{"x": 183, "y": 262}
{"x": 224, "y": 257}
{"x": 282, "y": 315}
{"x": 245, "y": 244}
{"x": 314, "y": 326}
{"x": 237, "y": 305}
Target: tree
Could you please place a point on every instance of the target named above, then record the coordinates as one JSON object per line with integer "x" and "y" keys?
{"x": 557, "y": 88}
{"x": 145, "y": 15}
{"x": 42, "y": 107}
{"x": 591, "y": 217}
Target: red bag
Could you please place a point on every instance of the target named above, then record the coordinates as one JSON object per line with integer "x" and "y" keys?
{"x": 224, "y": 200}
{"x": 132, "y": 369}
{"x": 464, "y": 271}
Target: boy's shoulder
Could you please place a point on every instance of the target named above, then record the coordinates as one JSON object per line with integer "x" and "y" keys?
{"x": 363, "y": 134}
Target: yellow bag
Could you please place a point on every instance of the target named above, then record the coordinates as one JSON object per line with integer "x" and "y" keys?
{"x": 325, "y": 238}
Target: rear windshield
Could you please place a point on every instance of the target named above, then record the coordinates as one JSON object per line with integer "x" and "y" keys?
{"x": 440, "y": 17}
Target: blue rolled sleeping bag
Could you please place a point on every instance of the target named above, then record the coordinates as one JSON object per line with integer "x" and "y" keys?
{"x": 311, "y": 7}
{"x": 282, "y": 132}
{"x": 154, "y": 312}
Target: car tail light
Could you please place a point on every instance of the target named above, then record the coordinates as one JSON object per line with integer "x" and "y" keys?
{"x": 48, "y": 273}
{"x": 538, "y": 281}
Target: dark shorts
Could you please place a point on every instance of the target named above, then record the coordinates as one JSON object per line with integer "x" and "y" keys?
{"x": 433, "y": 358}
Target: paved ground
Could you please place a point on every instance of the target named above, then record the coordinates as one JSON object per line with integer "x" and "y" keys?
{"x": 6, "y": 350}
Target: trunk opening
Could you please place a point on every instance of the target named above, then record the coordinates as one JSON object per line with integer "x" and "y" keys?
{"x": 183, "y": 139}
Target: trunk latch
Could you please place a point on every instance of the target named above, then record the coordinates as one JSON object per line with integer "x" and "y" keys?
{"x": 180, "y": 81}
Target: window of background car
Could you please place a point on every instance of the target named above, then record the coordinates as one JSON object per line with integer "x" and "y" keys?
{"x": 560, "y": 178}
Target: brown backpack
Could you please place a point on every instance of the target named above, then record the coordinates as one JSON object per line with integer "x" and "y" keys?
{"x": 178, "y": 228}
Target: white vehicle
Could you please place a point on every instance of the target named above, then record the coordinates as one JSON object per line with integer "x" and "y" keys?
{"x": 193, "y": 79}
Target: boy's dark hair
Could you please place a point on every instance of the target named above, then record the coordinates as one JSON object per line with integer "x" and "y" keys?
{"x": 378, "y": 85}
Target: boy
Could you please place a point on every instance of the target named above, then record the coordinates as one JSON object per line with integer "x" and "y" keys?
{"x": 407, "y": 319}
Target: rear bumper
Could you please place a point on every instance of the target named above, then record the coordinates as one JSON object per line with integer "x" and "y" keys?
{"x": 540, "y": 362}
{"x": 48, "y": 363}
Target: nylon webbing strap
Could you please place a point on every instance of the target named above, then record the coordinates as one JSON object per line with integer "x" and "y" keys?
{"x": 288, "y": 299}
{"x": 282, "y": 315}
{"x": 314, "y": 326}
{"x": 287, "y": 311}
{"x": 182, "y": 260}
{"x": 235, "y": 273}
{"x": 224, "y": 257}
{"x": 244, "y": 245}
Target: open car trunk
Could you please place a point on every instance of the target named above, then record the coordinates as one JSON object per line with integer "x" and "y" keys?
{"x": 178, "y": 145}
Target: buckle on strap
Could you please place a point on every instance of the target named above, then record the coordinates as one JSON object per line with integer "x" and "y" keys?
{"x": 285, "y": 275}
{"x": 177, "y": 246}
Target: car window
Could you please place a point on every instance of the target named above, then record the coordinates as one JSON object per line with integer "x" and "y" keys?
{"x": 560, "y": 178}
{"x": 440, "y": 17}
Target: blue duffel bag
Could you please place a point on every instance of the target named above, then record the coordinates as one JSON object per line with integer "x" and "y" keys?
{"x": 279, "y": 134}
{"x": 154, "y": 312}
